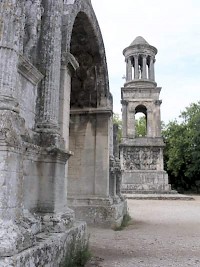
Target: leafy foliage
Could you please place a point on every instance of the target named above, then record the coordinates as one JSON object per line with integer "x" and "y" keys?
{"x": 125, "y": 222}
{"x": 140, "y": 127}
{"x": 182, "y": 153}
{"x": 118, "y": 121}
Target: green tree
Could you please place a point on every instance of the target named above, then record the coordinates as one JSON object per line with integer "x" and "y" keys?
{"x": 140, "y": 127}
{"x": 118, "y": 121}
{"x": 182, "y": 153}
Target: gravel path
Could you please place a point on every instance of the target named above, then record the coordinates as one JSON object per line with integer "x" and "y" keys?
{"x": 163, "y": 233}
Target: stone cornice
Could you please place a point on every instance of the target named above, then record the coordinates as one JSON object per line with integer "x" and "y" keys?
{"x": 30, "y": 72}
{"x": 143, "y": 142}
{"x": 141, "y": 83}
{"x": 91, "y": 111}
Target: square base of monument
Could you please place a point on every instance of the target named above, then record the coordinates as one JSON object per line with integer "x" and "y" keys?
{"x": 150, "y": 182}
{"x": 106, "y": 212}
{"x": 51, "y": 249}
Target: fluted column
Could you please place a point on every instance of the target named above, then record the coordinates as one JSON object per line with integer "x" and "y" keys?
{"x": 144, "y": 67}
{"x": 136, "y": 68}
{"x": 9, "y": 47}
{"x": 50, "y": 64}
{"x": 128, "y": 70}
{"x": 152, "y": 72}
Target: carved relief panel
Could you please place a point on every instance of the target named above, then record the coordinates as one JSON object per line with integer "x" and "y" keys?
{"x": 143, "y": 158}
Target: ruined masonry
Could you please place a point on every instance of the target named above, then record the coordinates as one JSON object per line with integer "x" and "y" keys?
{"x": 141, "y": 156}
{"x": 55, "y": 132}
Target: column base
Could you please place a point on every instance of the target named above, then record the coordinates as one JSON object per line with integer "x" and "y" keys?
{"x": 107, "y": 212}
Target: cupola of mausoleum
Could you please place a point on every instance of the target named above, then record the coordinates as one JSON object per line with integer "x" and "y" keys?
{"x": 140, "y": 59}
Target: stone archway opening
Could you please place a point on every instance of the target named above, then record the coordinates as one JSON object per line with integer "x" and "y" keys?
{"x": 141, "y": 121}
{"x": 84, "y": 47}
{"x": 84, "y": 102}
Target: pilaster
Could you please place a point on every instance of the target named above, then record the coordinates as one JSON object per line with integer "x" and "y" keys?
{"x": 124, "y": 118}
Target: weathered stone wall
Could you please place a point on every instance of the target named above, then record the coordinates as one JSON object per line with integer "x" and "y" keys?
{"x": 51, "y": 250}
{"x": 46, "y": 73}
{"x": 88, "y": 168}
{"x": 32, "y": 150}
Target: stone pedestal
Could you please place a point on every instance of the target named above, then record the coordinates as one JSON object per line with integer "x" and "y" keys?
{"x": 99, "y": 211}
{"x": 142, "y": 166}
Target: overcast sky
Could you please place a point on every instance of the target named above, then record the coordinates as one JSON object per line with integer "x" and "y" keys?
{"x": 173, "y": 27}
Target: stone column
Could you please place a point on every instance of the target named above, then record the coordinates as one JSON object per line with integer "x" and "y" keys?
{"x": 136, "y": 68}
{"x": 152, "y": 72}
{"x": 52, "y": 197}
{"x": 128, "y": 70}
{"x": 144, "y": 67}
{"x": 50, "y": 64}
{"x": 124, "y": 118}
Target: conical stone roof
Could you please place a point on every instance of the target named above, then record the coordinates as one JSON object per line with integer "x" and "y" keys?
{"x": 139, "y": 41}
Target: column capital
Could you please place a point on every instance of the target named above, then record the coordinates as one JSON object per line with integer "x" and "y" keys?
{"x": 158, "y": 102}
{"x": 124, "y": 102}
{"x": 144, "y": 55}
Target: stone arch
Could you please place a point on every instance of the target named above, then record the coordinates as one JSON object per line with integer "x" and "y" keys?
{"x": 86, "y": 91}
{"x": 88, "y": 129}
{"x": 82, "y": 10}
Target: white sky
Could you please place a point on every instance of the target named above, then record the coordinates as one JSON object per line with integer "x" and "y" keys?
{"x": 173, "y": 27}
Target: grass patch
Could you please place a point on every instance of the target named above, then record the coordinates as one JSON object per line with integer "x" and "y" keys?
{"x": 125, "y": 222}
{"x": 79, "y": 257}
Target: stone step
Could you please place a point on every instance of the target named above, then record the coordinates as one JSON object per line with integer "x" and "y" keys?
{"x": 159, "y": 196}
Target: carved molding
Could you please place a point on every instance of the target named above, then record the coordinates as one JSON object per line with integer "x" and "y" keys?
{"x": 31, "y": 73}
{"x": 68, "y": 58}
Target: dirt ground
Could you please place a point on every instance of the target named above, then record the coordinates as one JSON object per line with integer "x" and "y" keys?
{"x": 162, "y": 233}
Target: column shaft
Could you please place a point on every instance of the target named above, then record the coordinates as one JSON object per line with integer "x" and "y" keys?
{"x": 129, "y": 70}
{"x": 152, "y": 72}
{"x": 136, "y": 68}
{"x": 49, "y": 65}
{"x": 144, "y": 67}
